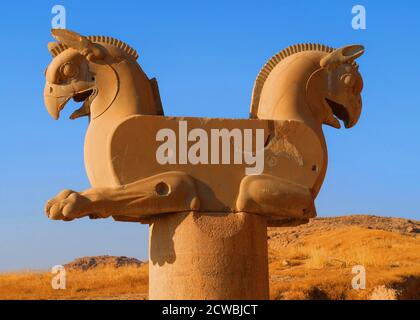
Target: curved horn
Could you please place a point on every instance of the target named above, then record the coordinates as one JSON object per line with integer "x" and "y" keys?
{"x": 80, "y": 43}
{"x": 342, "y": 55}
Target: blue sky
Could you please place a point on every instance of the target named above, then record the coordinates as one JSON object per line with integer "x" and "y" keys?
{"x": 206, "y": 55}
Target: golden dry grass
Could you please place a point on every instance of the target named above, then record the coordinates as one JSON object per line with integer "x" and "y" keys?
{"x": 101, "y": 283}
{"x": 320, "y": 266}
{"x": 316, "y": 266}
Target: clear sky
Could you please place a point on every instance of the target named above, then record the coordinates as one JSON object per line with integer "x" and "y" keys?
{"x": 206, "y": 55}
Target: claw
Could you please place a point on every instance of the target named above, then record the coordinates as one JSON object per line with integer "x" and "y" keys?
{"x": 67, "y": 206}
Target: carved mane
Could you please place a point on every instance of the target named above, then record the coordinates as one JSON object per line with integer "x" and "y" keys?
{"x": 273, "y": 62}
{"x": 59, "y": 47}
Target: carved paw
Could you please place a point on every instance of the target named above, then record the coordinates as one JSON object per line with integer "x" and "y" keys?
{"x": 67, "y": 205}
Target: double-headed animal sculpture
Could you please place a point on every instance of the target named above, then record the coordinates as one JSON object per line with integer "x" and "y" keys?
{"x": 297, "y": 91}
{"x": 208, "y": 219}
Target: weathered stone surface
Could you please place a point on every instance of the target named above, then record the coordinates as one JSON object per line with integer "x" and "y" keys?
{"x": 207, "y": 220}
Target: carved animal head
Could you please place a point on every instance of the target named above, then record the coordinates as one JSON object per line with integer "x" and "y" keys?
{"x": 334, "y": 90}
{"x": 310, "y": 76}
{"x": 92, "y": 70}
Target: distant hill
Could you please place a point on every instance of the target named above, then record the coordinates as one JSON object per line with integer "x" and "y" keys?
{"x": 319, "y": 225}
{"x": 312, "y": 261}
{"x": 89, "y": 263}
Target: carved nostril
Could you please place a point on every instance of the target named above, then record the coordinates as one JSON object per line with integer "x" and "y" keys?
{"x": 51, "y": 89}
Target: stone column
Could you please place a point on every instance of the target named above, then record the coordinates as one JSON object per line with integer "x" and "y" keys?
{"x": 208, "y": 256}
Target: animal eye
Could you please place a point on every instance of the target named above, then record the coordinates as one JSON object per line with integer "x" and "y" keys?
{"x": 349, "y": 80}
{"x": 69, "y": 70}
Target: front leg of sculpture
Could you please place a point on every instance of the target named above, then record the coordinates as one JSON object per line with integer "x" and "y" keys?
{"x": 162, "y": 193}
{"x": 275, "y": 197}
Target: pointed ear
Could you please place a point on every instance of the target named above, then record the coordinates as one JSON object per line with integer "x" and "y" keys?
{"x": 71, "y": 39}
{"x": 80, "y": 43}
{"x": 342, "y": 55}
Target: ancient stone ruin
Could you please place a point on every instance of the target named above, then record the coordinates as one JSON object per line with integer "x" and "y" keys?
{"x": 208, "y": 188}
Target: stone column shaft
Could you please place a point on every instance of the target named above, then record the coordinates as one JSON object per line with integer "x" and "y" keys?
{"x": 208, "y": 256}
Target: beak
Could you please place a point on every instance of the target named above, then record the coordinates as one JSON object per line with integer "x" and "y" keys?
{"x": 349, "y": 115}
{"x": 56, "y": 96}
{"x": 55, "y": 104}
{"x": 354, "y": 116}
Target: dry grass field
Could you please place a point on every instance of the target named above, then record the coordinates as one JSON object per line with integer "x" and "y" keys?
{"x": 107, "y": 282}
{"x": 312, "y": 261}
{"x": 320, "y": 266}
